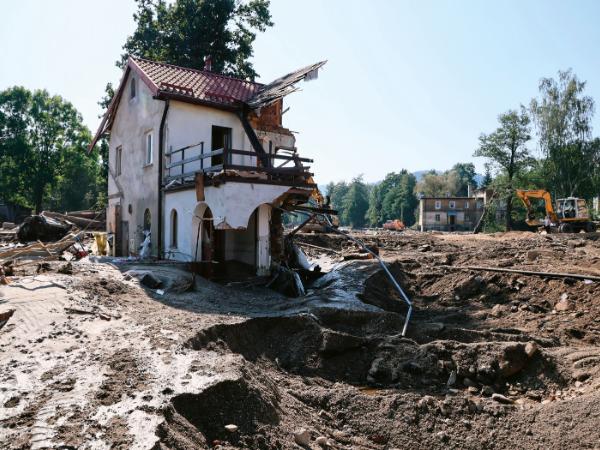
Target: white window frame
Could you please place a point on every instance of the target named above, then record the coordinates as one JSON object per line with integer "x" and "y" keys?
{"x": 438, "y": 204}
{"x": 466, "y": 205}
{"x": 451, "y": 204}
{"x": 438, "y": 217}
{"x": 118, "y": 160}
{"x": 148, "y": 148}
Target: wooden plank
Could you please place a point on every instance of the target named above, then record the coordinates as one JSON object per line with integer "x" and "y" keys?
{"x": 251, "y": 153}
{"x": 239, "y": 179}
{"x": 184, "y": 161}
{"x": 272, "y": 170}
{"x": 183, "y": 148}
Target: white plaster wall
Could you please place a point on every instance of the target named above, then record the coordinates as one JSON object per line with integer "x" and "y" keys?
{"x": 189, "y": 124}
{"x": 184, "y": 202}
{"x": 232, "y": 203}
{"x": 430, "y": 218}
{"x": 133, "y": 119}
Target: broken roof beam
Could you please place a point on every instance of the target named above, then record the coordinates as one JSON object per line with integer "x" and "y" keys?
{"x": 283, "y": 86}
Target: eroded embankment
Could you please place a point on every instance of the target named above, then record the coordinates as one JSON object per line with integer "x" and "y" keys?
{"x": 298, "y": 367}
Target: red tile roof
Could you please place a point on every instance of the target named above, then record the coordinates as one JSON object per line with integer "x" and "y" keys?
{"x": 198, "y": 85}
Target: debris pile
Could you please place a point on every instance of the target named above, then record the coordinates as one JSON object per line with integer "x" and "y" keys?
{"x": 491, "y": 359}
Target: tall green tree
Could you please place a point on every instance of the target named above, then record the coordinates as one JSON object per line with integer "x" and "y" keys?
{"x": 184, "y": 32}
{"x": 336, "y": 193}
{"x": 563, "y": 116}
{"x": 355, "y": 203}
{"x": 43, "y": 157}
{"x": 487, "y": 177}
{"x": 393, "y": 198}
{"x": 465, "y": 177}
{"x": 506, "y": 148}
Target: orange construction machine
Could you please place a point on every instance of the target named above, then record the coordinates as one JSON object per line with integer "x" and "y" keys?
{"x": 395, "y": 225}
{"x": 571, "y": 214}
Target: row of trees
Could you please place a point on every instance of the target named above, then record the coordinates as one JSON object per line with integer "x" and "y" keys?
{"x": 396, "y": 196}
{"x": 43, "y": 157}
{"x": 565, "y": 162}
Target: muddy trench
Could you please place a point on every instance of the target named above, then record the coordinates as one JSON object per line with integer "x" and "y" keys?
{"x": 341, "y": 366}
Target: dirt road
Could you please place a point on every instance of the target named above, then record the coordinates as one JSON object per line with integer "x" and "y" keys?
{"x": 491, "y": 360}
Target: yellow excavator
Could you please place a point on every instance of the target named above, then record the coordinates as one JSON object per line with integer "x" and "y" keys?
{"x": 571, "y": 214}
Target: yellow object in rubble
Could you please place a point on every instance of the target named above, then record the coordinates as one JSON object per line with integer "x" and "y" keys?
{"x": 101, "y": 243}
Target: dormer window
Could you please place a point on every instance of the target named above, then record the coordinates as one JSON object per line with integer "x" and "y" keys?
{"x": 132, "y": 88}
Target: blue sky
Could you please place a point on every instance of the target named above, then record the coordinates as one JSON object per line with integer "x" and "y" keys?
{"x": 409, "y": 84}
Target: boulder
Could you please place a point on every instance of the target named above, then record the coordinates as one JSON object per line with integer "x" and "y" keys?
{"x": 302, "y": 437}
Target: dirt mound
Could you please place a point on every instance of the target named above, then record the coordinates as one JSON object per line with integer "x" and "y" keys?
{"x": 247, "y": 402}
{"x": 297, "y": 344}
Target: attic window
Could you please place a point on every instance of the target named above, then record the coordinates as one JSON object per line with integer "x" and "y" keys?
{"x": 132, "y": 88}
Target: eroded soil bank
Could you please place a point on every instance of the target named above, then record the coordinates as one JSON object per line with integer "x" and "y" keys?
{"x": 490, "y": 360}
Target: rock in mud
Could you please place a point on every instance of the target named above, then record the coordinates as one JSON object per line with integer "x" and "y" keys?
{"x": 531, "y": 349}
{"x": 514, "y": 359}
{"x": 451, "y": 379}
{"x": 487, "y": 391}
{"x": 231, "y": 428}
{"x": 322, "y": 441}
{"x": 564, "y": 304}
{"x": 502, "y": 399}
{"x": 498, "y": 310}
{"x": 302, "y": 437}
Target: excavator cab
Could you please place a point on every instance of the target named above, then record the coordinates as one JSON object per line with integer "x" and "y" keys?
{"x": 572, "y": 208}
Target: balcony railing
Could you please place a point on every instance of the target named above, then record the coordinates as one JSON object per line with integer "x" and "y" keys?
{"x": 285, "y": 166}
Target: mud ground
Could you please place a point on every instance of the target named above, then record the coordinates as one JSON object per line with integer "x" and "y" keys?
{"x": 492, "y": 360}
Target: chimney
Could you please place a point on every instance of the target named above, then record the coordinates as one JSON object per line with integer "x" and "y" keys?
{"x": 208, "y": 63}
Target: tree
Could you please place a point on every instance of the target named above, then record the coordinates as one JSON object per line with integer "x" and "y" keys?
{"x": 563, "y": 116}
{"x": 465, "y": 177}
{"x": 336, "y": 193}
{"x": 393, "y": 198}
{"x": 487, "y": 177}
{"x": 506, "y": 149}
{"x": 185, "y": 32}
{"x": 43, "y": 156}
{"x": 355, "y": 203}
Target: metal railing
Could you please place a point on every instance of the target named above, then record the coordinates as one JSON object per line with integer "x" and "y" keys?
{"x": 279, "y": 164}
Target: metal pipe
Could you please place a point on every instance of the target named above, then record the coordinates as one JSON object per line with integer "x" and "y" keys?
{"x": 161, "y": 151}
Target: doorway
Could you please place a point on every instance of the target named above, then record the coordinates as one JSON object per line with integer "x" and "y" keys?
{"x": 452, "y": 222}
{"x": 221, "y": 138}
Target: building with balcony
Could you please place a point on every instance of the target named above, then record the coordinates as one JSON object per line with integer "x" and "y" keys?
{"x": 202, "y": 162}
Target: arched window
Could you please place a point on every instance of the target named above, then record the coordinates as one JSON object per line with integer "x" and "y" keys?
{"x": 174, "y": 228}
{"x": 132, "y": 88}
{"x": 147, "y": 220}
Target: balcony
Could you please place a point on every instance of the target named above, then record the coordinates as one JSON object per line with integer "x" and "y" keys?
{"x": 284, "y": 167}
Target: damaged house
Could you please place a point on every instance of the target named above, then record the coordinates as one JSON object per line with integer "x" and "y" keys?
{"x": 202, "y": 162}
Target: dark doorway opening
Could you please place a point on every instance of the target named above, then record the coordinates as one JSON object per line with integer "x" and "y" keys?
{"x": 221, "y": 138}
{"x": 452, "y": 221}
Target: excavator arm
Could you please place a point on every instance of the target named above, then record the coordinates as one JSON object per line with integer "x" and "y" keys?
{"x": 526, "y": 195}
